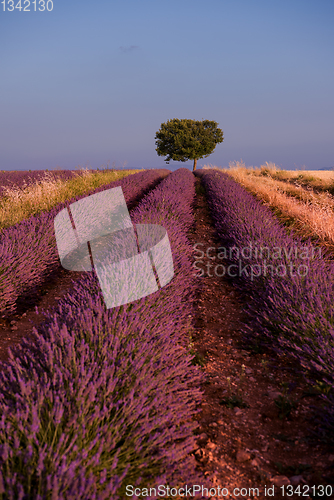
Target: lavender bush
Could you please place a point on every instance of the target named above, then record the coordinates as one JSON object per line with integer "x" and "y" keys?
{"x": 28, "y": 250}
{"x": 293, "y": 313}
{"x": 105, "y": 398}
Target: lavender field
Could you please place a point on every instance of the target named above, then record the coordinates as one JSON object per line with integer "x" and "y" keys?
{"x": 98, "y": 399}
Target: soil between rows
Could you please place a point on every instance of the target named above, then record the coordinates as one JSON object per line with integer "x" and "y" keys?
{"x": 20, "y": 324}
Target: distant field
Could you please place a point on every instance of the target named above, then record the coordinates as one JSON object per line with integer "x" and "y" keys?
{"x": 301, "y": 199}
{"x": 318, "y": 180}
{"x": 323, "y": 174}
{"x": 23, "y": 194}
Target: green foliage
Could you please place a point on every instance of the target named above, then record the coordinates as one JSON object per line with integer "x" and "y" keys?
{"x": 199, "y": 188}
{"x": 198, "y": 358}
{"x": 264, "y": 363}
{"x": 284, "y": 404}
{"x": 183, "y": 140}
{"x": 235, "y": 399}
{"x": 321, "y": 387}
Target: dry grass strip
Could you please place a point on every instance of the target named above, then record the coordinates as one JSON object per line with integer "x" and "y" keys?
{"x": 19, "y": 203}
{"x": 309, "y": 213}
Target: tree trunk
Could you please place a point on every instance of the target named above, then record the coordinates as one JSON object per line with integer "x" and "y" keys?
{"x": 195, "y": 162}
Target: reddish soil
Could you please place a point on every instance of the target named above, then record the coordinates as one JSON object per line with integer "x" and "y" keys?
{"x": 19, "y": 325}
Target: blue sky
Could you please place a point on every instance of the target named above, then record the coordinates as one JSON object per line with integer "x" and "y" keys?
{"x": 90, "y": 81}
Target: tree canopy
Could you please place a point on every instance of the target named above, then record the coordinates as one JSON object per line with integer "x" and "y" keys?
{"x": 182, "y": 140}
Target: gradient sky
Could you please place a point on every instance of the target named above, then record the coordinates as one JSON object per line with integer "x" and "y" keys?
{"x": 92, "y": 81}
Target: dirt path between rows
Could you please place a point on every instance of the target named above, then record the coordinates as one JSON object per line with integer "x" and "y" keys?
{"x": 20, "y": 324}
{"x": 257, "y": 446}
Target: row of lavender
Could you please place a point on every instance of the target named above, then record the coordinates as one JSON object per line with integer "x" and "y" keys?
{"x": 28, "y": 251}
{"x": 104, "y": 399}
{"x": 24, "y": 178}
{"x": 291, "y": 286}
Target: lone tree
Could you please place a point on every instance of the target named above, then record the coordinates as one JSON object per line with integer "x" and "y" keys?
{"x": 183, "y": 140}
